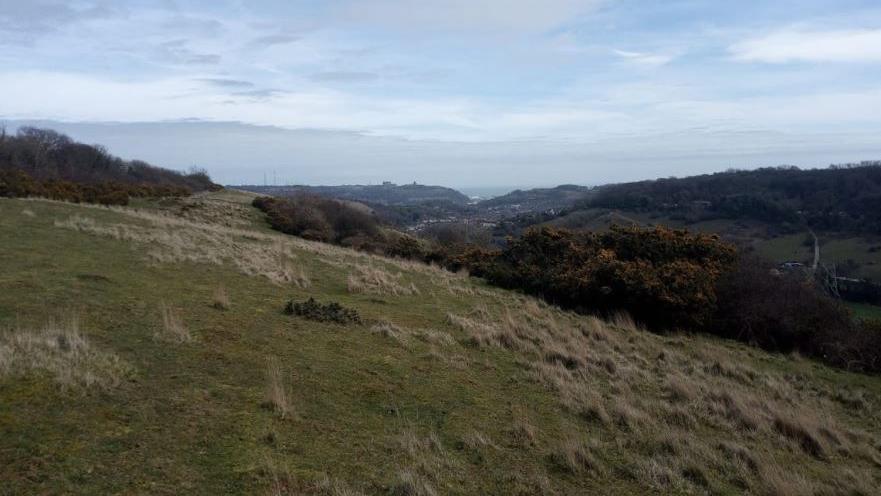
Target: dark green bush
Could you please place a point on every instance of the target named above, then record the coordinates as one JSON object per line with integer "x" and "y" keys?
{"x": 323, "y": 312}
{"x": 789, "y": 312}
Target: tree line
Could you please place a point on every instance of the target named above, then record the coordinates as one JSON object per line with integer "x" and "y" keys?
{"x": 835, "y": 199}
{"x": 45, "y": 163}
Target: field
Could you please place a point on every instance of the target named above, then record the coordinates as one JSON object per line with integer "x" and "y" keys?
{"x": 146, "y": 351}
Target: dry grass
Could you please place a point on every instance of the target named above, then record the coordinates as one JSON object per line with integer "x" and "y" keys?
{"x": 428, "y": 461}
{"x": 777, "y": 481}
{"x": 60, "y": 350}
{"x": 173, "y": 328}
{"x": 371, "y": 279}
{"x": 522, "y": 433}
{"x": 577, "y": 457}
{"x": 633, "y": 384}
{"x": 411, "y": 483}
{"x": 220, "y": 299}
{"x": 477, "y": 441}
{"x": 277, "y": 395}
{"x": 406, "y": 336}
{"x": 284, "y": 483}
{"x": 801, "y": 431}
{"x": 219, "y": 233}
{"x": 172, "y": 240}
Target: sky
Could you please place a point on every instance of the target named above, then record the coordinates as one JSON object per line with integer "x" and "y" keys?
{"x": 454, "y": 92}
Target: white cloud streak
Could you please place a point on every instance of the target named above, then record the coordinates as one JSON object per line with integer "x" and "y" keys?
{"x": 807, "y": 45}
{"x": 466, "y": 15}
{"x": 646, "y": 59}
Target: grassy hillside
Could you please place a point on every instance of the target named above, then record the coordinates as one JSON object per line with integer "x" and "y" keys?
{"x": 145, "y": 351}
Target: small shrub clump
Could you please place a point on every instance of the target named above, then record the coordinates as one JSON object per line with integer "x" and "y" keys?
{"x": 323, "y": 312}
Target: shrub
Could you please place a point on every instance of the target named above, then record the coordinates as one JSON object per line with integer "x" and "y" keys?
{"x": 328, "y": 312}
{"x": 406, "y": 247}
{"x": 18, "y": 184}
{"x": 322, "y": 219}
{"x": 788, "y": 312}
{"x": 664, "y": 278}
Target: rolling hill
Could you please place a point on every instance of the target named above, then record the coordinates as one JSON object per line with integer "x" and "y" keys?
{"x": 387, "y": 194}
{"x": 146, "y": 350}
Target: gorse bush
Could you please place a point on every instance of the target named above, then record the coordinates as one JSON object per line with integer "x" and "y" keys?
{"x": 668, "y": 279}
{"x": 17, "y": 184}
{"x": 664, "y": 278}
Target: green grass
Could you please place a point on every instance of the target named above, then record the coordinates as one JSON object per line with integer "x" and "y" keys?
{"x": 865, "y": 311}
{"x": 191, "y": 417}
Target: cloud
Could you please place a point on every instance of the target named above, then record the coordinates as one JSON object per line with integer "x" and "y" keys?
{"x": 343, "y": 77}
{"x": 804, "y": 45}
{"x": 24, "y": 21}
{"x": 227, "y": 83}
{"x": 272, "y": 40}
{"x": 257, "y": 95}
{"x": 468, "y": 15}
{"x": 646, "y": 59}
{"x": 177, "y": 52}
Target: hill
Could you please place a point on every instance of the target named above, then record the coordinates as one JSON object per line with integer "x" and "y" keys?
{"x": 387, "y": 194}
{"x": 47, "y": 162}
{"x": 840, "y": 198}
{"x": 153, "y": 354}
{"x": 539, "y": 199}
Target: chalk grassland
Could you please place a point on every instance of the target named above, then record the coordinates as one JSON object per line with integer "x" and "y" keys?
{"x": 144, "y": 350}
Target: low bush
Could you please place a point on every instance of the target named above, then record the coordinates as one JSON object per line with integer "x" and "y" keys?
{"x": 664, "y": 278}
{"x": 323, "y": 312}
{"x": 17, "y": 184}
{"x": 322, "y": 219}
{"x": 789, "y": 312}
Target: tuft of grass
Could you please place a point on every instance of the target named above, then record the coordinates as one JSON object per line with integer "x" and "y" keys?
{"x": 372, "y": 279}
{"x": 776, "y": 481}
{"x": 799, "y": 431}
{"x": 220, "y": 299}
{"x": 522, "y": 433}
{"x": 60, "y": 350}
{"x": 409, "y": 482}
{"x": 681, "y": 389}
{"x": 576, "y": 456}
{"x": 173, "y": 327}
{"x": 277, "y": 397}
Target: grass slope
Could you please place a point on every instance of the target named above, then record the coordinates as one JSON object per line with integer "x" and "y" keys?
{"x": 168, "y": 367}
